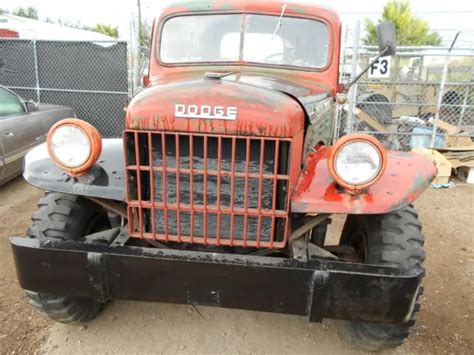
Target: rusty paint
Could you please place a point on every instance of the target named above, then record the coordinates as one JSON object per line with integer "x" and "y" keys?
{"x": 406, "y": 176}
{"x": 327, "y": 77}
{"x": 245, "y": 204}
{"x": 256, "y": 90}
{"x": 261, "y": 112}
{"x": 265, "y": 100}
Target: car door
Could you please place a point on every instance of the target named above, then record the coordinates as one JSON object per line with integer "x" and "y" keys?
{"x": 2, "y": 161}
{"x": 18, "y": 132}
{"x": 46, "y": 116}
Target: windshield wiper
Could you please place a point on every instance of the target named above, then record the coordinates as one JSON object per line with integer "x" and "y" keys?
{"x": 280, "y": 20}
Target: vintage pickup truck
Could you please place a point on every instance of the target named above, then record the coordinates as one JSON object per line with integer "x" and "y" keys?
{"x": 222, "y": 188}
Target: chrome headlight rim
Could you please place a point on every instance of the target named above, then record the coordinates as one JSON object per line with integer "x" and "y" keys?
{"x": 344, "y": 142}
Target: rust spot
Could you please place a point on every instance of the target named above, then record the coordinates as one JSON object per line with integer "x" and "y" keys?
{"x": 317, "y": 193}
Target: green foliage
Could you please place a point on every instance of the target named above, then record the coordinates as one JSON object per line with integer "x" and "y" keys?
{"x": 411, "y": 30}
{"x": 105, "y": 29}
{"x": 145, "y": 34}
{"x": 108, "y": 30}
{"x": 32, "y": 12}
{"x": 28, "y": 12}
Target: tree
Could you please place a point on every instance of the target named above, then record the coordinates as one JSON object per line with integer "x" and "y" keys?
{"x": 411, "y": 30}
{"x": 28, "y": 12}
{"x": 108, "y": 30}
{"x": 145, "y": 34}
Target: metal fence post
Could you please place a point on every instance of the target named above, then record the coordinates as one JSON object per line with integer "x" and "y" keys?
{"x": 465, "y": 100}
{"x": 35, "y": 54}
{"x": 340, "y": 108}
{"x": 353, "y": 90}
{"x": 441, "y": 90}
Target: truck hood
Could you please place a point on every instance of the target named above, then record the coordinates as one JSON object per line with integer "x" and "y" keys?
{"x": 239, "y": 105}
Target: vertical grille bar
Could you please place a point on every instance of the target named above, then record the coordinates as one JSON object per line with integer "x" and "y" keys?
{"x": 205, "y": 191}
{"x": 288, "y": 202}
{"x": 139, "y": 187}
{"x": 219, "y": 171}
{"x": 287, "y": 221}
{"x": 178, "y": 214}
{"x": 274, "y": 194}
{"x": 246, "y": 189}
{"x": 152, "y": 185}
{"x": 164, "y": 193}
{"x": 191, "y": 185}
{"x": 232, "y": 190}
{"x": 260, "y": 187}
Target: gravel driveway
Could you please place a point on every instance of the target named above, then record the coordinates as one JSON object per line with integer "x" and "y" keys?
{"x": 445, "y": 324}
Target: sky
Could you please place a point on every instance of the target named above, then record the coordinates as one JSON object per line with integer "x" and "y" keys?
{"x": 442, "y": 15}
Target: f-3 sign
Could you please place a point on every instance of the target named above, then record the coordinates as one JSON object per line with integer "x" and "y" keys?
{"x": 381, "y": 68}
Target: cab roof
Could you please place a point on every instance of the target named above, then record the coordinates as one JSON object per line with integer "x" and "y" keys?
{"x": 269, "y": 7}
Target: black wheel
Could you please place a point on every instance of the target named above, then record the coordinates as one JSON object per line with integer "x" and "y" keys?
{"x": 392, "y": 239}
{"x": 376, "y": 105}
{"x": 66, "y": 217}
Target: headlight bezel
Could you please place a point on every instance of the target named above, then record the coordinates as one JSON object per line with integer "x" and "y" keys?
{"x": 95, "y": 141}
{"x": 343, "y": 142}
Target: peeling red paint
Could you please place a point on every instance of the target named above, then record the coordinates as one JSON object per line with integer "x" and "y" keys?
{"x": 255, "y": 90}
{"x": 268, "y": 102}
{"x": 307, "y": 79}
{"x": 260, "y": 112}
{"x": 264, "y": 99}
{"x": 405, "y": 178}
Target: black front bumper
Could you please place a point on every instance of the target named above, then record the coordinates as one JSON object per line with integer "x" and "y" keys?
{"x": 318, "y": 289}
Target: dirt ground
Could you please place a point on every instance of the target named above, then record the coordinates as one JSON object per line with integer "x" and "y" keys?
{"x": 445, "y": 324}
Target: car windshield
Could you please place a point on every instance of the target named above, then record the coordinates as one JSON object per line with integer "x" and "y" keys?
{"x": 227, "y": 38}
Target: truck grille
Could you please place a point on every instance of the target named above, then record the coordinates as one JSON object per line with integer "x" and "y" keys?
{"x": 208, "y": 189}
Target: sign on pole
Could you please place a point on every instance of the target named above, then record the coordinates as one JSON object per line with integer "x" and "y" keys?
{"x": 381, "y": 68}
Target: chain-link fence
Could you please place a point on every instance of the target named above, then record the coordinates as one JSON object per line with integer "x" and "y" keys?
{"x": 421, "y": 97}
{"x": 90, "y": 77}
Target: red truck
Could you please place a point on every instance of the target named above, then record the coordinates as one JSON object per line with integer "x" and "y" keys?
{"x": 222, "y": 187}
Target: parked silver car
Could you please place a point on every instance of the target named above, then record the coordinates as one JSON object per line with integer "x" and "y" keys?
{"x": 23, "y": 125}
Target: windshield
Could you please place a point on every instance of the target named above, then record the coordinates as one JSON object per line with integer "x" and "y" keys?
{"x": 264, "y": 39}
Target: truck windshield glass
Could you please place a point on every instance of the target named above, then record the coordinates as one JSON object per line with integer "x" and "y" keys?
{"x": 245, "y": 38}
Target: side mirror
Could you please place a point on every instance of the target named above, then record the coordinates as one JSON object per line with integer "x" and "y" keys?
{"x": 387, "y": 38}
{"x": 31, "y": 106}
{"x": 387, "y": 46}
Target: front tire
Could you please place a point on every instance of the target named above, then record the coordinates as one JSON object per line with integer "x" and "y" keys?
{"x": 392, "y": 239}
{"x": 66, "y": 217}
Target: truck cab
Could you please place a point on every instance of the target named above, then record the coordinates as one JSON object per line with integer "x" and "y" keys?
{"x": 223, "y": 184}
{"x": 283, "y": 49}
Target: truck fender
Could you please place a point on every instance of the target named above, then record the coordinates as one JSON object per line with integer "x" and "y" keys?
{"x": 406, "y": 176}
{"x": 106, "y": 179}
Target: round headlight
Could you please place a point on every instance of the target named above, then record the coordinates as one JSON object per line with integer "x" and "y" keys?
{"x": 357, "y": 161}
{"x": 70, "y": 146}
{"x": 74, "y": 145}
